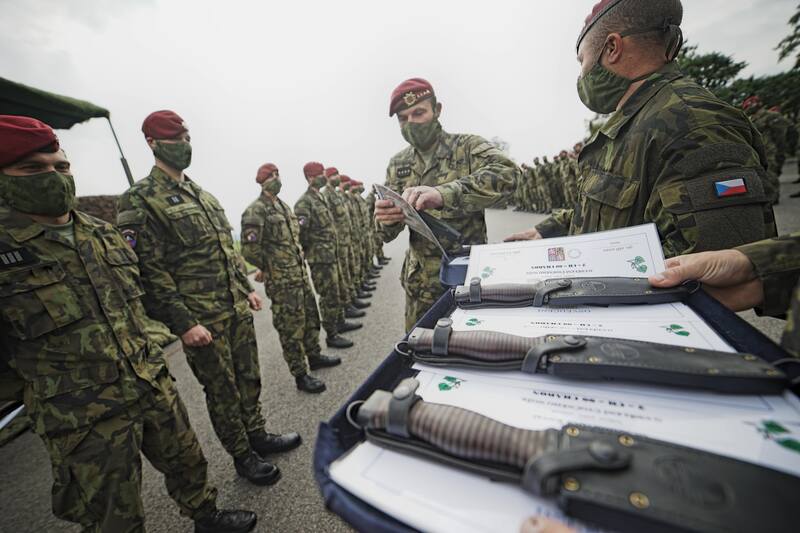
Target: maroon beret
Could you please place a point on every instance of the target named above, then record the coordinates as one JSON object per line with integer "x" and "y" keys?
{"x": 265, "y": 171}
{"x": 751, "y": 101}
{"x": 313, "y": 168}
{"x": 330, "y": 171}
{"x": 163, "y": 124}
{"x": 21, "y": 136}
{"x": 409, "y": 93}
{"x": 343, "y": 179}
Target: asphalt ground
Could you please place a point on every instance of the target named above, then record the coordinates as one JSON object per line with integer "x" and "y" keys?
{"x": 294, "y": 503}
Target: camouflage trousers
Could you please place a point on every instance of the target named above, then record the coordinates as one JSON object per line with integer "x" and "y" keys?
{"x": 98, "y": 483}
{"x": 355, "y": 267}
{"x": 326, "y": 282}
{"x": 295, "y": 317}
{"x": 420, "y": 279}
{"x": 230, "y": 374}
{"x": 347, "y": 286}
{"x": 377, "y": 243}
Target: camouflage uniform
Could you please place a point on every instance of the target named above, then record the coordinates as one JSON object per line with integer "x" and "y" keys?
{"x": 271, "y": 241}
{"x": 96, "y": 387}
{"x": 545, "y": 176}
{"x": 774, "y": 129}
{"x": 659, "y": 158}
{"x": 193, "y": 275}
{"x": 777, "y": 264}
{"x": 471, "y": 174}
{"x": 319, "y": 240}
{"x": 367, "y": 229}
{"x": 377, "y": 242}
{"x": 347, "y": 288}
{"x": 353, "y": 244}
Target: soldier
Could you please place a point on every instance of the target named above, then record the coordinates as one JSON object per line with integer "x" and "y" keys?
{"x": 353, "y": 306}
{"x": 544, "y": 180}
{"x": 361, "y": 279}
{"x": 774, "y": 129}
{"x": 195, "y": 283}
{"x": 456, "y": 176}
{"x": 75, "y": 334}
{"x": 367, "y": 227}
{"x": 319, "y": 240}
{"x": 271, "y": 242}
{"x": 671, "y": 152}
{"x": 380, "y": 257}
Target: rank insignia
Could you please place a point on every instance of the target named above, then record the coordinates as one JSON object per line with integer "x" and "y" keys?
{"x": 130, "y": 237}
{"x": 15, "y": 258}
{"x": 403, "y": 172}
{"x": 175, "y": 199}
{"x": 731, "y": 187}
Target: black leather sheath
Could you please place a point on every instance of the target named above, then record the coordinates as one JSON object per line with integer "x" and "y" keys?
{"x": 568, "y": 291}
{"x": 599, "y": 358}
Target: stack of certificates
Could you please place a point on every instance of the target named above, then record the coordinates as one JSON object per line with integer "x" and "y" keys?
{"x": 760, "y": 429}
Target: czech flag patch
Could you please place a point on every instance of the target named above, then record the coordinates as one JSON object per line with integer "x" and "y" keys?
{"x": 733, "y": 187}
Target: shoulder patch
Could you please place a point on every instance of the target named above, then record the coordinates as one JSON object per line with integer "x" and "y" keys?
{"x": 730, "y": 187}
{"x": 302, "y": 220}
{"x": 130, "y": 236}
{"x": 250, "y": 235}
{"x": 16, "y": 257}
{"x": 403, "y": 172}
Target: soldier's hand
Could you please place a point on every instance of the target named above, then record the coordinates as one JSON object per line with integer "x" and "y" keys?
{"x": 527, "y": 235}
{"x": 540, "y": 524}
{"x": 387, "y": 213}
{"x": 423, "y": 197}
{"x": 254, "y": 301}
{"x": 259, "y": 277}
{"x": 727, "y": 275}
{"x": 197, "y": 336}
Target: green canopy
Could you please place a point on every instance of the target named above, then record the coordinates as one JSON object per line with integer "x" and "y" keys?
{"x": 60, "y": 112}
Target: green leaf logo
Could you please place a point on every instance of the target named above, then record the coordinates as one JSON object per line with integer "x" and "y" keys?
{"x": 638, "y": 264}
{"x": 473, "y": 322}
{"x": 778, "y": 433}
{"x": 450, "y": 383}
{"x": 677, "y": 329}
{"x": 487, "y": 272}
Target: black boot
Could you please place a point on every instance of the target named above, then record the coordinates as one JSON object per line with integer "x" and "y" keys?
{"x": 362, "y": 294}
{"x": 352, "y": 312}
{"x": 794, "y": 195}
{"x": 323, "y": 361}
{"x": 308, "y": 383}
{"x": 226, "y": 522}
{"x": 337, "y": 341}
{"x": 256, "y": 470}
{"x": 266, "y": 443}
{"x": 349, "y": 326}
{"x": 370, "y": 275}
{"x": 384, "y": 260}
{"x": 373, "y": 266}
{"x": 360, "y": 304}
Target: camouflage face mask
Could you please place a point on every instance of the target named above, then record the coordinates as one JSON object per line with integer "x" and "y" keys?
{"x": 421, "y": 136}
{"x": 334, "y": 182}
{"x": 49, "y": 193}
{"x": 272, "y": 186}
{"x": 601, "y": 90}
{"x": 178, "y": 155}
{"x": 319, "y": 182}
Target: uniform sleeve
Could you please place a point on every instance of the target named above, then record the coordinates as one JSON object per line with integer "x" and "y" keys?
{"x": 557, "y": 224}
{"x": 709, "y": 192}
{"x": 252, "y": 238}
{"x": 777, "y": 264}
{"x": 162, "y": 300}
{"x": 302, "y": 211}
{"x": 492, "y": 180}
{"x": 389, "y": 232}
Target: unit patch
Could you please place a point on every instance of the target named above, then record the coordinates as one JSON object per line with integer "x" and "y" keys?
{"x": 130, "y": 237}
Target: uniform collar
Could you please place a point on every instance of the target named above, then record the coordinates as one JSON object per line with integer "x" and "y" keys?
{"x": 162, "y": 178}
{"x": 29, "y": 228}
{"x": 652, "y": 85}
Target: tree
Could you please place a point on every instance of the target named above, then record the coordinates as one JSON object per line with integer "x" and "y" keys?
{"x": 782, "y": 90}
{"x": 714, "y": 71}
{"x": 790, "y": 45}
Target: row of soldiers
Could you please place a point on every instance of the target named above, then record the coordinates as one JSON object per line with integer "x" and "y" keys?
{"x": 549, "y": 185}
{"x": 331, "y": 230}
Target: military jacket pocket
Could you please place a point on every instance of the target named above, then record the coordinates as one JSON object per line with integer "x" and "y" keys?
{"x": 607, "y": 202}
{"x": 76, "y": 399}
{"x": 189, "y": 223}
{"x": 124, "y": 267}
{"x": 37, "y": 300}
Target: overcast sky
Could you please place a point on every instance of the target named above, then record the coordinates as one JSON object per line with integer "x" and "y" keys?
{"x": 301, "y": 80}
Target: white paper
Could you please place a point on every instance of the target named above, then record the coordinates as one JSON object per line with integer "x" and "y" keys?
{"x": 629, "y": 252}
